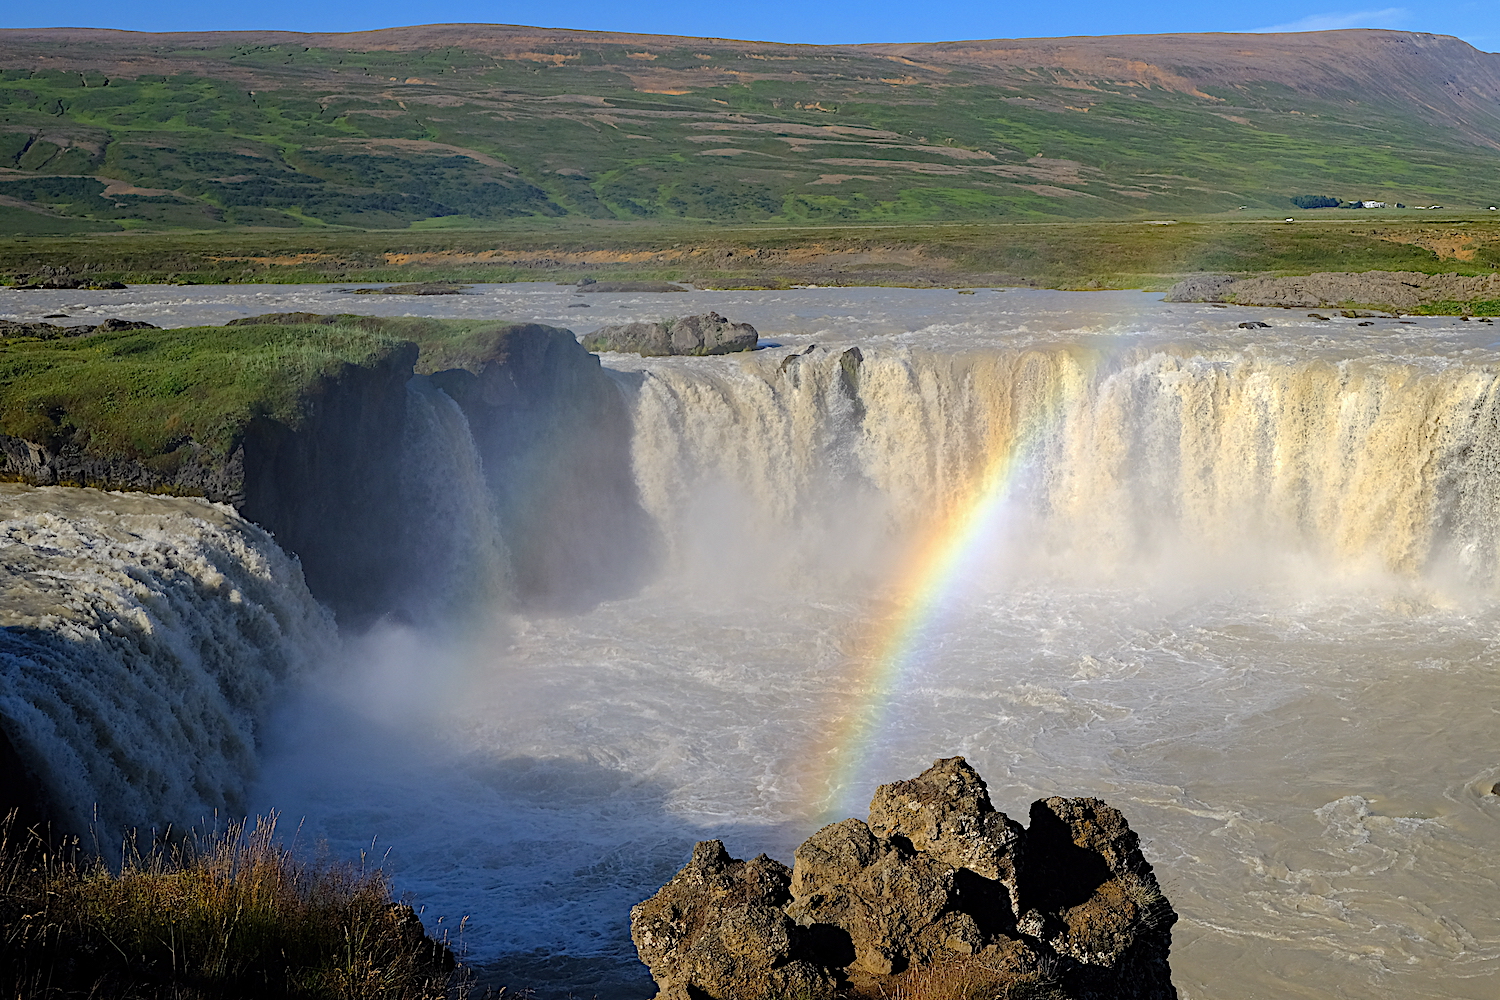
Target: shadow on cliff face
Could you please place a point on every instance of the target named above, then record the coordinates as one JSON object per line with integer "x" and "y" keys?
{"x": 328, "y": 490}
{"x": 1059, "y": 874}
{"x": 22, "y": 792}
{"x": 374, "y": 494}
{"x": 553, "y": 430}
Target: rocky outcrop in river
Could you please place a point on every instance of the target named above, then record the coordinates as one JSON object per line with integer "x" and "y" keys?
{"x": 708, "y": 333}
{"x": 1405, "y": 291}
{"x": 51, "y": 331}
{"x": 936, "y": 883}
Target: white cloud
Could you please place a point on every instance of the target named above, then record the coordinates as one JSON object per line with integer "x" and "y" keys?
{"x": 1390, "y": 17}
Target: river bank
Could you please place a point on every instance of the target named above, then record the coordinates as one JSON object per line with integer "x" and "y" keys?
{"x": 1151, "y": 254}
{"x": 1392, "y": 292}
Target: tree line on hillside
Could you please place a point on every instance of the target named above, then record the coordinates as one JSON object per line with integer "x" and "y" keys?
{"x": 1309, "y": 201}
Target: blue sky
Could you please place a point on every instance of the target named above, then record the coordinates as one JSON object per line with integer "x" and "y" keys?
{"x": 1477, "y": 21}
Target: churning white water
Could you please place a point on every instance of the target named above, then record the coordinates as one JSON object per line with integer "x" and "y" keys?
{"x": 145, "y": 638}
{"x": 1239, "y": 583}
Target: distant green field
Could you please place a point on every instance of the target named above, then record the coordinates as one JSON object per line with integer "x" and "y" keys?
{"x": 305, "y": 138}
{"x": 1063, "y": 254}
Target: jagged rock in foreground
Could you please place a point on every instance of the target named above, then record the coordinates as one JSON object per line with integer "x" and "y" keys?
{"x": 721, "y": 925}
{"x": 937, "y": 890}
{"x": 707, "y": 333}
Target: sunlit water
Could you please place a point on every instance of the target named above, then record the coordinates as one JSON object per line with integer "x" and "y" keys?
{"x": 1242, "y": 586}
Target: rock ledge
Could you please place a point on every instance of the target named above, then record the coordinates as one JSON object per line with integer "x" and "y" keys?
{"x": 707, "y": 333}
{"x": 937, "y": 891}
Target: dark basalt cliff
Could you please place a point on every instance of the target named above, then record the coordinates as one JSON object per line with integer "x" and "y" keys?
{"x": 553, "y": 431}
{"x": 188, "y": 471}
{"x": 937, "y": 886}
{"x": 330, "y": 490}
{"x": 551, "y": 426}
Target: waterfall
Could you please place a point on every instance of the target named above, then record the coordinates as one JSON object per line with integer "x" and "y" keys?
{"x": 145, "y": 637}
{"x": 450, "y": 517}
{"x": 1158, "y": 456}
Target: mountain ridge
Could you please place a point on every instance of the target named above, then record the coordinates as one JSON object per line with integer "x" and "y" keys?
{"x": 385, "y": 128}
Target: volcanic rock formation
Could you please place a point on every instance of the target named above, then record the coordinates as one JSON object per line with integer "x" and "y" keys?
{"x": 708, "y": 333}
{"x": 936, "y": 880}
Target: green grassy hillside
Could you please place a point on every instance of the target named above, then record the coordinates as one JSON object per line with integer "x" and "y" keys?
{"x": 468, "y": 126}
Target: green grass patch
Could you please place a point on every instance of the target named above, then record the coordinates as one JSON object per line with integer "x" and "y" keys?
{"x": 1475, "y": 307}
{"x": 147, "y": 394}
{"x": 442, "y": 343}
{"x": 17, "y": 221}
{"x": 144, "y": 393}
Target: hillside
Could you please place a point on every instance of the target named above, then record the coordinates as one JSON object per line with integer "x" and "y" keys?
{"x": 468, "y": 125}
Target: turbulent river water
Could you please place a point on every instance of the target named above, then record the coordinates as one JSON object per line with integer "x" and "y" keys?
{"x": 1239, "y": 583}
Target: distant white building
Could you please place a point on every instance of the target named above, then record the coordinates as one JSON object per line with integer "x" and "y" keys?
{"x": 1372, "y": 204}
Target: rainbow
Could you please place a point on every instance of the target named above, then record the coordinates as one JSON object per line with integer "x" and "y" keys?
{"x": 930, "y": 579}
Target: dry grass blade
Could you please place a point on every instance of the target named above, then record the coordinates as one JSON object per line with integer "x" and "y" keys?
{"x": 220, "y": 915}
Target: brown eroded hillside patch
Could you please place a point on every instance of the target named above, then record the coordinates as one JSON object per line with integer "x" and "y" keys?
{"x": 282, "y": 260}
{"x": 432, "y": 258}
{"x": 1448, "y": 246}
{"x": 857, "y": 256}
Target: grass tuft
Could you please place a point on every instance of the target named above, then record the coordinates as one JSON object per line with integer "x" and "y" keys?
{"x": 231, "y": 914}
{"x": 964, "y": 978}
